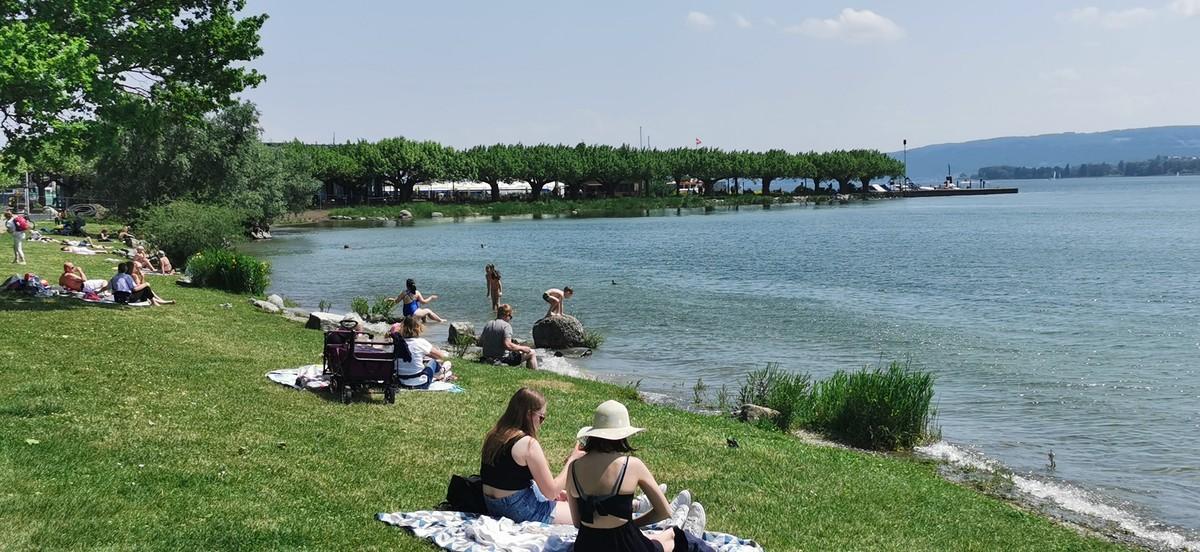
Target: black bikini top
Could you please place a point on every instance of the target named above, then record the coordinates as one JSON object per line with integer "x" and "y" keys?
{"x": 612, "y": 504}
{"x": 506, "y": 474}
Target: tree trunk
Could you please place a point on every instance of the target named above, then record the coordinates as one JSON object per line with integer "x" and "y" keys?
{"x": 535, "y": 190}
{"x": 495, "y": 190}
{"x": 766, "y": 185}
{"x": 406, "y": 191}
{"x": 845, "y": 186}
{"x": 708, "y": 187}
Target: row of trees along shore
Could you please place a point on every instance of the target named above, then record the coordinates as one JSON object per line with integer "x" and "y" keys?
{"x": 1158, "y": 166}
{"x": 366, "y": 167}
{"x": 220, "y": 159}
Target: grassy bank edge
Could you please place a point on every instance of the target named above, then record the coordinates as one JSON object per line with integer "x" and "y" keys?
{"x": 156, "y": 429}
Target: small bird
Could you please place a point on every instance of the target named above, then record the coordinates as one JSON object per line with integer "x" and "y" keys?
{"x": 731, "y": 442}
{"x": 1051, "y": 456}
{"x": 346, "y": 246}
{"x": 614, "y": 282}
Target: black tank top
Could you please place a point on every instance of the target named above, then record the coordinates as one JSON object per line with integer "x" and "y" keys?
{"x": 506, "y": 474}
{"x": 612, "y": 504}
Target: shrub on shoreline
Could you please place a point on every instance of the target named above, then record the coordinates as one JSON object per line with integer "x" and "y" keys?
{"x": 229, "y": 271}
{"x": 884, "y": 409}
{"x": 183, "y": 228}
{"x": 889, "y": 408}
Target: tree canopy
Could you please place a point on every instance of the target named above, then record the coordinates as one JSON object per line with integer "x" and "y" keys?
{"x": 68, "y": 63}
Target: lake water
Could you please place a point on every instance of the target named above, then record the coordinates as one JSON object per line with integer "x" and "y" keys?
{"x": 1064, "y": 318}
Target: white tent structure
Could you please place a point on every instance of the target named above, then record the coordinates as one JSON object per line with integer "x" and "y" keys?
{"x": 481, "y": 189}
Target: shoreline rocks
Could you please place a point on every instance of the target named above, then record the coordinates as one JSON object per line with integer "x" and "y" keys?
{"x": 558, "y": 332}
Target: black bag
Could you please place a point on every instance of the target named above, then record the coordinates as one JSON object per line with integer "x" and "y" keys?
{"x": 465, "y": 494}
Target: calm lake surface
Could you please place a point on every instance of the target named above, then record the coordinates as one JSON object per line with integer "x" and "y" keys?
{"x": 1064, "y": 318}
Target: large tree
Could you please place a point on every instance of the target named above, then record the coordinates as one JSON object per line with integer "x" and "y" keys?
{"x": 66, "y": 63}
{"x": 494, "y": 164}
{"x": 217, "y": 160}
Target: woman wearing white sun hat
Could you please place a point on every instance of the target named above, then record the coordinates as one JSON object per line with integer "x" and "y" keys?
{"x": 601, "y": 485}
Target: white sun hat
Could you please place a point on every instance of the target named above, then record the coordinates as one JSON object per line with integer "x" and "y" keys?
{"x": 611, "y": 421}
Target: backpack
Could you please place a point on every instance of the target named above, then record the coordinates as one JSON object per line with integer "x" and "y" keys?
{"x": 20, "y": 223}
{"x": 465, "y": 494}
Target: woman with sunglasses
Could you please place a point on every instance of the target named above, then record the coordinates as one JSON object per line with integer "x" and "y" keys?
{"x": 516, "y": 475}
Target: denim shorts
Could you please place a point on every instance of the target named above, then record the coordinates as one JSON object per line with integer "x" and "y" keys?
{"x": 524, "y": 505}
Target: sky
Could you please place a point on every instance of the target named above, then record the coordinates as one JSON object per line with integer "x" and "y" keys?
{"x": 735, "y": 74}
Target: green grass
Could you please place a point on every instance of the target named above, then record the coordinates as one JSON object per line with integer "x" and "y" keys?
{"x": 154, "y": 428}
{"x": 591, "y": 207}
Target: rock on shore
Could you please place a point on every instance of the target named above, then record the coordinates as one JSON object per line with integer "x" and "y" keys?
{"x": 558, "y": 332}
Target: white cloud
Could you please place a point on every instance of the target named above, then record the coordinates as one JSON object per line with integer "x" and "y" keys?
{"x": 851, "y": 25}
{"x": 1110, "y": 19}
{"x": 1186, "y": 8}
{"x": 700, "y": 21}
{"x": 743, "y": 23}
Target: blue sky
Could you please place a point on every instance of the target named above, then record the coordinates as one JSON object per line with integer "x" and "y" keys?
{"x": 737, "y": 74}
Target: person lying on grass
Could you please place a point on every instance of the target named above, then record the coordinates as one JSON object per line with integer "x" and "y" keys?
{"x": 601, "y": 486}
{"x": 416, "y": 360}
{"x": 74, "y": 279}
{"x": 514, "y": 469}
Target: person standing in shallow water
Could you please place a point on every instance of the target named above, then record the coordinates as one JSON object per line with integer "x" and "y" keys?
{"x": 495, "y": 289}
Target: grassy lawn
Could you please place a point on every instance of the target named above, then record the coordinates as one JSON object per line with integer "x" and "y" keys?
{"x": 154, "y": 428}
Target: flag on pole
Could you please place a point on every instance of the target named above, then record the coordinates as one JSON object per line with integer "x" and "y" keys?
{"x": 698, "y": 142}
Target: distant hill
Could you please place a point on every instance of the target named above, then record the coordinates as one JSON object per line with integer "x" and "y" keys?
{"x": 929, "y": 162}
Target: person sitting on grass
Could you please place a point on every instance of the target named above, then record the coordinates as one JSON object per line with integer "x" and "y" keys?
{"x": 555, "y": 297}
{"x": 104, "y": 235}
{"x": 600, "y": 489}
{"x": 164, "y": 264}
{"x": 498, "y": 347}
{"x": 125, "y": 236}
{"x": 122, "y": 284}
{"x": 413, "y": 303}
{"x": 416, "y": 359}
{"x": 141, "y": 288}
{"x": 74, "y": 279}
{"x": 514, "y": 469}
{"x": 140, "y": 257}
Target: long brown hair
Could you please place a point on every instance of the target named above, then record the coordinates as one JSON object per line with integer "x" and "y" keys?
{"x": 515, "y": 421}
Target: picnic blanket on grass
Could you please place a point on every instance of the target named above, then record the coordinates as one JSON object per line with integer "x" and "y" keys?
{"x": 460, "y": 532}
{"x": 311, "y": 377}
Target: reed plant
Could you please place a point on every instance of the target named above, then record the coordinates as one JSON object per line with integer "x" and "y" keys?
{"x": 778, "y": 389}
{"x": 592, "y": 339}
{"x": 888, "y": 408}
{"x": 360, "y": 306}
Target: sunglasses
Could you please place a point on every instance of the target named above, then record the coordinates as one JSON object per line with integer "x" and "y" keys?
{"x": 541, "y": 418}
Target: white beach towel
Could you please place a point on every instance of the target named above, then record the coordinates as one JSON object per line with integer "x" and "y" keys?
{"x": 311, "y": 377}
{"x": 459, "y": 532}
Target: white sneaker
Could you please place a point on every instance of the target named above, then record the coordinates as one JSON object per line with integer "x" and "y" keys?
{"x": 695, "y": 521}
{"x": 641, "y": 504}
{"x": 678, "y": 516}
{"x": 684, "y": 498}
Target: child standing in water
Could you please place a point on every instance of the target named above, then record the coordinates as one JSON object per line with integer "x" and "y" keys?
{"x": 494, "y": 288}
{"x": 555, "y": 297}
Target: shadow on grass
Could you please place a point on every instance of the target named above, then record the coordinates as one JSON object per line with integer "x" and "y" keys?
{"x": 19, "y": 302}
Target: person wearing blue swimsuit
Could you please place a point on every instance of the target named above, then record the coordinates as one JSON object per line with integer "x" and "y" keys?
{"x": 413, "y": 303}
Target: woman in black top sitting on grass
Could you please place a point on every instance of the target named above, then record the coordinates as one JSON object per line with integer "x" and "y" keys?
{"x": 601, "y": 485}
{"x": 517, "y": 482}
